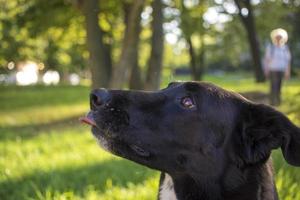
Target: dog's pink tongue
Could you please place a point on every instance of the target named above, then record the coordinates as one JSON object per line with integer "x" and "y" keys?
{"x": 87, "y": 120}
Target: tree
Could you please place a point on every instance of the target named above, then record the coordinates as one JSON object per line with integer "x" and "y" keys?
{"x": 192, "y": 25}
{"x": 157, "y": 48}
{"x": 135, "y": 77}
{"x": 247, "y": 18}
{"x": 29, "y": 21}
{"x": 196, "y": 59}
{"x": 130, "y": 42}
{"x": 99, "y": 57}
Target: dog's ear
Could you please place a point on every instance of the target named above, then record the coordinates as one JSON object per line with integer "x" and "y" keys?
{"x": 263, "y": 129}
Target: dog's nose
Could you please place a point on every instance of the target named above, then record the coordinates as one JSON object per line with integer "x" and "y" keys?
{"x": 99, "y": 97}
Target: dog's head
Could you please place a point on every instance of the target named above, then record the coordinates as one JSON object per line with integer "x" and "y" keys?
{"x": 190, "y": 127}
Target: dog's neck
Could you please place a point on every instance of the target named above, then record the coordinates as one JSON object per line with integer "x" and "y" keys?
{"x": 254, "y": 184}
{"x": 183, "y": 187}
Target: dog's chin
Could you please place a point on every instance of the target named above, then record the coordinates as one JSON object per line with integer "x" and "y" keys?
{"x": 112, "y": 143}
{"x": 106, "y": 139}
{"x": 102, "y": 139}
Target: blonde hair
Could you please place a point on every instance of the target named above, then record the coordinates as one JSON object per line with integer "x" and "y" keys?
{"x": 279, "y": 32}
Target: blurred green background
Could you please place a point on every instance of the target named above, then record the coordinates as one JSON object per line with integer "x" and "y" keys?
{"x": 53, "y": 52}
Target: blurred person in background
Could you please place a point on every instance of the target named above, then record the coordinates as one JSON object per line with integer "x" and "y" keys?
{"x": 277, "y": 63}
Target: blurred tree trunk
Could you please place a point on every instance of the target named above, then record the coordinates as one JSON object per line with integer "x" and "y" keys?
{"x": 196, "y": 61}
{"x": 194, "y": 26}
{"x": 249, "y": 24}
{"x": 135, "y": 78}
{"x": 108, "y": 60}
{"x": 294, "y": 38}
{"x": 155, "y": 61}
{"x": 128, "y": 56}
{"x": 99, "y": 54}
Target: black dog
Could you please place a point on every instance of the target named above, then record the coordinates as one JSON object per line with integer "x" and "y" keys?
{"x": 210, "y": 144}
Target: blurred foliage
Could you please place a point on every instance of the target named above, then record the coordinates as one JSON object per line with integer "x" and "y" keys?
{"x": 42, "y": 31}
{"x": 53, "y": 32}
{"x": 269, "y": 14}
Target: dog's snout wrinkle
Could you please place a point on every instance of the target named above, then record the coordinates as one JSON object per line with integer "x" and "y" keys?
{"x": 140, "y": 151}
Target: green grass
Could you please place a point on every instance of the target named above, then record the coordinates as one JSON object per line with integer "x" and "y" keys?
{"x": 46, "y": 154}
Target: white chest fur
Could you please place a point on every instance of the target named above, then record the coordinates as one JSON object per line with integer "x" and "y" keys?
{"x": 167, "y": 191}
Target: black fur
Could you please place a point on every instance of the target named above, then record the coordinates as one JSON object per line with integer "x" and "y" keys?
{"x": 218, "y": 149}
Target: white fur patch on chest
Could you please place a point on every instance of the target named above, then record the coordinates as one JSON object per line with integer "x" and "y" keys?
{"x": 167, "y": 191}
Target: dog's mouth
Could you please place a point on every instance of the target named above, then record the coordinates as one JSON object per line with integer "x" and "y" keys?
{"x": 88, "y": 119}
{"x": 106, "y": 139}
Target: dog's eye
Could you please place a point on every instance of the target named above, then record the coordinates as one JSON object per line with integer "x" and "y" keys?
{"x": 187, "y": 102}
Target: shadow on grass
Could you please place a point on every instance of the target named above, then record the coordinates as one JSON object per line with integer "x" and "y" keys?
{"x": 24, "y": 97}
{"x": 76, "y": 179}
{"x": 29, "y": 131}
